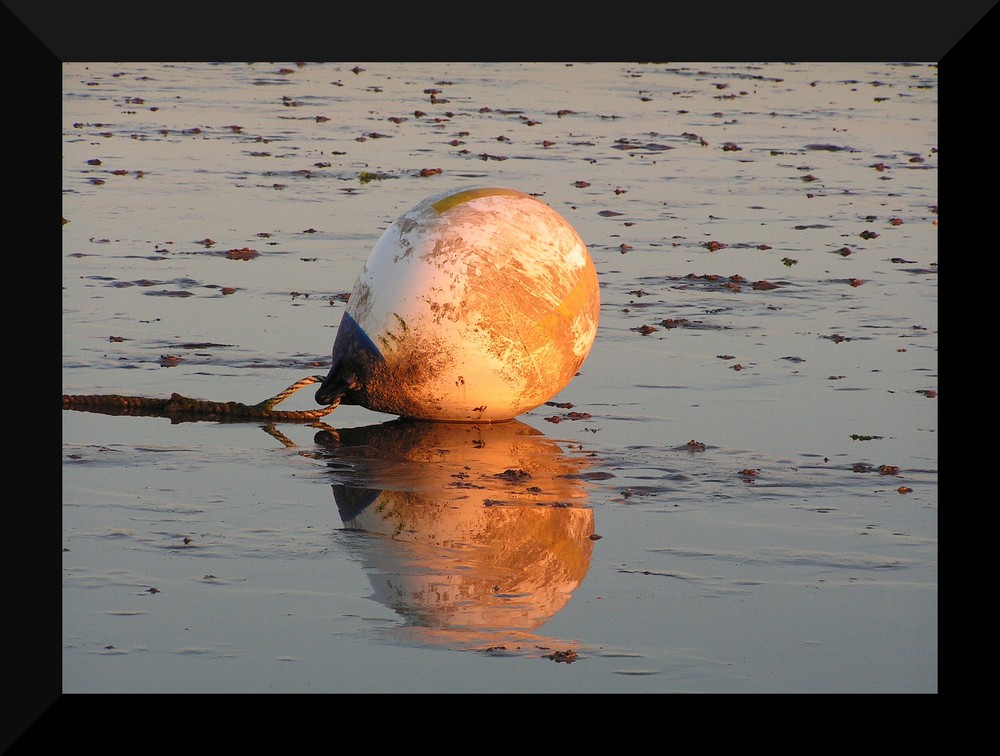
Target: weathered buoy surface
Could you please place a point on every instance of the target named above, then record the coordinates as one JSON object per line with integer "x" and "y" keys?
{"x": 476, "y": 305}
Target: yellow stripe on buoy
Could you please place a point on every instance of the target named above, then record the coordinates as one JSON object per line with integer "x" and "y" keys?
{"x": 445, "y": 204}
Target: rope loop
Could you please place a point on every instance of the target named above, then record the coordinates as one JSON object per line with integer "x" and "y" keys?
{"x": 180, "y": 407}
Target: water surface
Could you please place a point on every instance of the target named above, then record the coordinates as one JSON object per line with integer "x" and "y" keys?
{"x": 737, "y": 494}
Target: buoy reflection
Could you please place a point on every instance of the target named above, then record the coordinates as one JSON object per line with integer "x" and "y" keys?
{"x": 477, "y": 533}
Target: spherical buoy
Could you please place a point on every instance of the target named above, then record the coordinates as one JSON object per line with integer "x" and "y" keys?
{"x": 476, "y": 305}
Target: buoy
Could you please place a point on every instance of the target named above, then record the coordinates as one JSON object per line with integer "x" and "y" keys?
{"x": 475, "y": 305}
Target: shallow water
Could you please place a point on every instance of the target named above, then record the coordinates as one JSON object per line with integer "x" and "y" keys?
{"x": 755, "y": 449}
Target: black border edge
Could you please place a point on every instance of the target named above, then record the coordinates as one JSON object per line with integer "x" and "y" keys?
{"x": 37, "y": 42}
{"x": 768, "y": 30}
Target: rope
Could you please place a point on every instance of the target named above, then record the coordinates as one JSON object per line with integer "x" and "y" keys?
{"x": 179, "y": 407}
